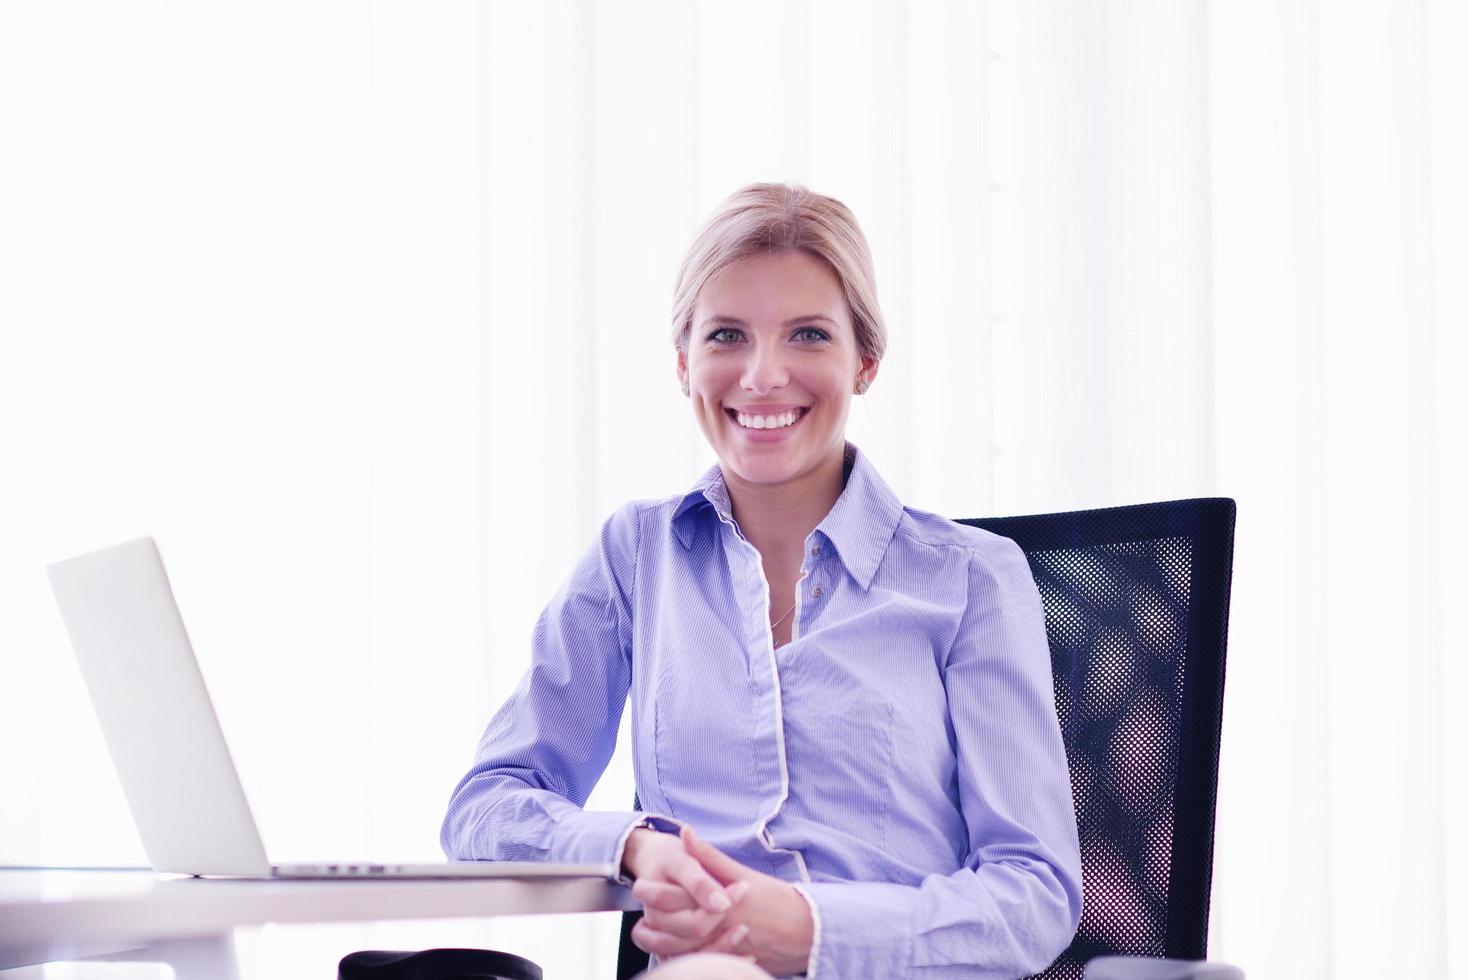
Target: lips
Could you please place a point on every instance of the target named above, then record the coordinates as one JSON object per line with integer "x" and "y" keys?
{"x": 771, "y": 439}
{"x": 766, "y": 409}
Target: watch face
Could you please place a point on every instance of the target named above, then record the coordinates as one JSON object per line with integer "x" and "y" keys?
{"x": 661, "y": 824}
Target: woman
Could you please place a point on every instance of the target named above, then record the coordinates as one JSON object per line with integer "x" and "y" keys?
{"x": 844, "y": 731}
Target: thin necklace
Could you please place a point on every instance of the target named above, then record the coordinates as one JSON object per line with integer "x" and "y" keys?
{"x": 779, "y": 621}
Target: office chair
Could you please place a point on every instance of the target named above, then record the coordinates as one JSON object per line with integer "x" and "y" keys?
{"x": 1136, "y": 609}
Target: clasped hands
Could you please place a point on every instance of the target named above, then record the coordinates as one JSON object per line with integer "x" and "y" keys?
{"x": 697, "y": 899}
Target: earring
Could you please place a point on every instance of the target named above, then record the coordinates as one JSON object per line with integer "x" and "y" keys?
{"x": 861, "y": 387}
{"x": 685, "y": 388}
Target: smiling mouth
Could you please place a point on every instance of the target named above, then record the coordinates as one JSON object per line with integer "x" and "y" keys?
{"x": 734, "y": 417}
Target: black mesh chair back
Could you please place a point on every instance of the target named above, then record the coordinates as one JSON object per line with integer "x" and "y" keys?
{"x": 1136, "y": 608}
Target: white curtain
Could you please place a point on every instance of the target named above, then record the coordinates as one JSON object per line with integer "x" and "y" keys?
{"x": 362, "y": 311}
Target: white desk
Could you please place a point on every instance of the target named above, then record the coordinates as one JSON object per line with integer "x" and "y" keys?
{"x": 188, "y": 922}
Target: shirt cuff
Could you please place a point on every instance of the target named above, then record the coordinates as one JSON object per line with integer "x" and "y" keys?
{"x": 592, "y": 837}
{"x": 815, "y": 934}
{"x": 861, "y": 928}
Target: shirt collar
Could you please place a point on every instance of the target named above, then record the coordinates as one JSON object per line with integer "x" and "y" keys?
{"x": 859, "y": 526}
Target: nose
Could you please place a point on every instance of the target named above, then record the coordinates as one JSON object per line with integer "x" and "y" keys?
{"x": 765, "y": 370}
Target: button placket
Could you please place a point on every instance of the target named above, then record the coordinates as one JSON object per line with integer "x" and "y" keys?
{"x": 803, "y": 591}
{"x": 805, "y": 594}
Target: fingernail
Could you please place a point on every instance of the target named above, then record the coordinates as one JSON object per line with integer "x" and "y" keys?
{"x": 719, "y": 902}
{"x": 738, "y": 936}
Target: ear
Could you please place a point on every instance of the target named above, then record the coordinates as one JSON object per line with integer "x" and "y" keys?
{"x": 682, "y": 368}
{"x": 869, "y": 367}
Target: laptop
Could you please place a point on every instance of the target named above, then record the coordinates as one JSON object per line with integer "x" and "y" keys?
{"x": 165, "y": 740}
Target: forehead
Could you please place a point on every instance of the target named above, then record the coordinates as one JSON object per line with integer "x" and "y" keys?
{"x": 773, "y": 286}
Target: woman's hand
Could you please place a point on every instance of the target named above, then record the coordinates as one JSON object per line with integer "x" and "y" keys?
{"x": 685, "y": 903}
{"x": 771, "y": 921}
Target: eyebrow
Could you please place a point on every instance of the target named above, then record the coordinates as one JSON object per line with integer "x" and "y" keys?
{"x": 736, "y": 322}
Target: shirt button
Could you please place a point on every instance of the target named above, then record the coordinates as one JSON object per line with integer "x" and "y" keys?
{"x": 815, "y": 593}
{"x": 815, "y": 551}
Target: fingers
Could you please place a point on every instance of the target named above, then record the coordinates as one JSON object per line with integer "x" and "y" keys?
{"x": 663, "y": 858}
{"x": 687, "y": 921}
{"x": 665, "y": 944}
{"x": 727, "y": 940}
{"x": 695, "y": 925}
{"x": 718, "y": 864}
{"x": 662, "y": 896}
{"x": 690, "y": 874}
{"x": 654, "y": 940}
{"x": 659, "y": 898}
{"x": 665, "y": 897}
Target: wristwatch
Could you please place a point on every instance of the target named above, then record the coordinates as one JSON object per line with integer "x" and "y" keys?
{"x": 661, "y": 824}
{"x": 648, "y": 822}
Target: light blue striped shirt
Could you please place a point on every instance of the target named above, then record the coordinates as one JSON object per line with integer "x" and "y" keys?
{"x": 899, "y": 760}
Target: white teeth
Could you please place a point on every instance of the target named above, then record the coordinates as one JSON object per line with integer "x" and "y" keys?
{"x": 768, "y": 421}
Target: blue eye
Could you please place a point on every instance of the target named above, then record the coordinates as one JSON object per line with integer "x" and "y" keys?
{"x": 819, "y": 333}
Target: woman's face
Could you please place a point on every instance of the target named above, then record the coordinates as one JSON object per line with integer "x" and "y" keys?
{"x": 772, "y": 335}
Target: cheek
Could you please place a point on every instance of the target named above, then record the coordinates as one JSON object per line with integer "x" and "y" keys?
{"x": 711, "y": 379}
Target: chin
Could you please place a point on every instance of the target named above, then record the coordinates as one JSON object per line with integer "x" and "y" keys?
{"x": 772, "y": 470}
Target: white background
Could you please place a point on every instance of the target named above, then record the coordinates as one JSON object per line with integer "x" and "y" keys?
{"x": 362, "y": 310}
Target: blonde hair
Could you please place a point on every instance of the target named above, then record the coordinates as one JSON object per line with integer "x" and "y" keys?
{"x": 763, "y": 218}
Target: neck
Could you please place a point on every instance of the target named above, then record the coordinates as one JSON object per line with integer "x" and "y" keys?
{"x": 778, "y": 519}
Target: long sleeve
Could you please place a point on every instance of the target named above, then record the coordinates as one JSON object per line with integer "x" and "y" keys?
{"x": 1015, "y": 903}
{"x": 545, "y": 748}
